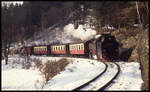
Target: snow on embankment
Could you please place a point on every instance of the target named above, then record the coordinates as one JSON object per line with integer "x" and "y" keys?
{"x": 81, "y": 32}
{"x": 19, "y": 79}
{"x": 15, "y": 78}
{"x": 78, "y": 72}
{"x": 129, "y": 77}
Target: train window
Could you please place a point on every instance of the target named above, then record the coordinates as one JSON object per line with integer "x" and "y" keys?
{"x": 82, "y": 46}
{"x": 70, "y": 47}
{"x": 74, "y": 48}
{"x": 64, "y": 48}
{"x": 79, "y": 47}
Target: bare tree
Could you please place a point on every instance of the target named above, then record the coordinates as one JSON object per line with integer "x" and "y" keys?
{"x": 137, "y": 8}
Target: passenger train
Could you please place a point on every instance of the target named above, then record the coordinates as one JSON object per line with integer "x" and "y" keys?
{"x": 105, "y": 47}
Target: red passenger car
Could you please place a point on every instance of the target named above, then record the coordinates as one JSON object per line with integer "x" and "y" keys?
{"x": 79, "y": 49}
{"x": 40, "y": 50}
{"x": 58, "y": 49}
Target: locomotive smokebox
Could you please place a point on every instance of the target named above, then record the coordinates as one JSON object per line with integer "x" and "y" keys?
{"x": 107, "y": 48}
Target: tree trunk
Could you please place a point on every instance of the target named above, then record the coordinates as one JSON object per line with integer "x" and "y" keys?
{"x": 5, "y": 54}
{"x": 138, "y": 13}
{"x": 147, "y": 7}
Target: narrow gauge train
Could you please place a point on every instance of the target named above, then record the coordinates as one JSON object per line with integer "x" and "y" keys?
{"x": 105, "y": 48}
{"x": 79, "y": 49}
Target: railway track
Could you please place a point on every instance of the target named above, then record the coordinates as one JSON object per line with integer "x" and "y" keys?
{"x": 96, "y": 83}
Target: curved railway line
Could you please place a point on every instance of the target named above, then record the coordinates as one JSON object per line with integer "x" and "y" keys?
{"x": 89, "y": 84}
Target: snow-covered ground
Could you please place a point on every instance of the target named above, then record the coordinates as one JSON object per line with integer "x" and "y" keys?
{"x": 77, "y": 73}
{"x": 129, "y": 77}
{"x": 14, "y": 77}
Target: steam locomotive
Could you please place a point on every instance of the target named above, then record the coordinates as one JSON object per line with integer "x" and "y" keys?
{"x": 105, "y": 47}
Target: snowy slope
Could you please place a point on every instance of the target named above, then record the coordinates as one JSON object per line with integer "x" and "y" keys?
{"x": 129, "y": 78}
{"x": 77, "y": 72}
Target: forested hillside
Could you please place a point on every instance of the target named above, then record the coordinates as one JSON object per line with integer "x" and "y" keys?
{"x": 21, "y": 22}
